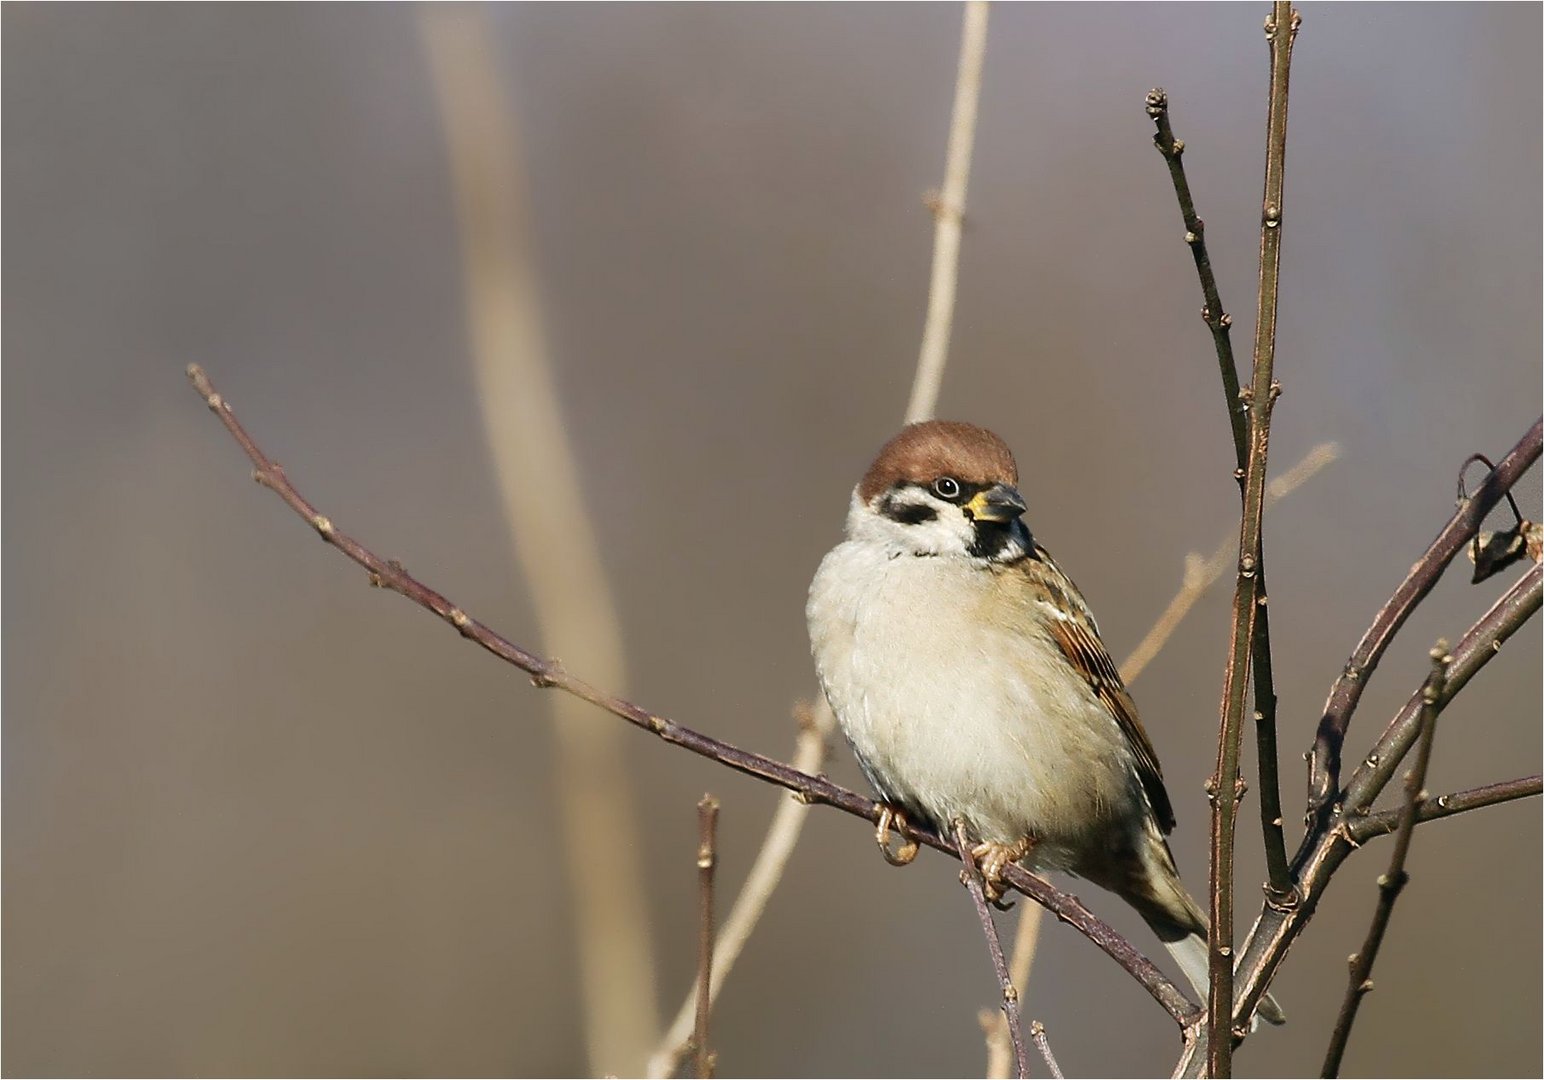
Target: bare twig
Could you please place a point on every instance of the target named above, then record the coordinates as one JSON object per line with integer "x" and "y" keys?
{"x": 1279, "y": 885}
{"x": 1360, "y": 830}
{"x": 815, "y": 724}
{"x": 1324, "y": 768}
{"x": 553, "y": 538}
{"x": 970, "y": 877}
{"x": 1043, "y": 1044}
{"x": 1324, "y": 850}
{"x": 1203, "y": 573}
{"x": 1218, "y": 321}
{"x": 1393, "y": 880}
{"x": 707, "y": 863}
{"x": 999, "y": 1047}
{"x": 1514, "y": 608}
{"x": 949, "y": 217}
{"x": 548, "y": 673}
{"x": 1226, "y": 788}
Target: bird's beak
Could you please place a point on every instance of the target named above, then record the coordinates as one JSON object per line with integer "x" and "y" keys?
{"x": 1000, "y": 502}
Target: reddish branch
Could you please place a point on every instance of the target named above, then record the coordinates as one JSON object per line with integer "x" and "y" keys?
{"x": 547, "y": 673}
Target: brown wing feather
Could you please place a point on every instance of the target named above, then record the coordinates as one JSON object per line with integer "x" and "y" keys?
{"x": 1075, "y": 632}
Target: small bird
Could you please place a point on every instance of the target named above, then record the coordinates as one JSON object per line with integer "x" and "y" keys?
{"x": 970, "y": 680}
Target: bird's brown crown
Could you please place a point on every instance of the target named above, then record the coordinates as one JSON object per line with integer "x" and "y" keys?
{"x": 925, "y": 451}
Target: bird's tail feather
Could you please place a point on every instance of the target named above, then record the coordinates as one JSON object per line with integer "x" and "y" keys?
{"x": 1181, "y": 925}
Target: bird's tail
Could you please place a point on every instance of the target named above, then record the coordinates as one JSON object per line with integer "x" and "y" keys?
{"x": 1181, "y": 925}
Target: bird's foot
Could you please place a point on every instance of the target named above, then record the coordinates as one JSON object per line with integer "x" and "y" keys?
{"x": 994, "y": 858}
{"x": 889, "y": 818}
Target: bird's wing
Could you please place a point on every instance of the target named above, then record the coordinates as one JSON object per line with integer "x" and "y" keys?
{"x": 1072, "y": 627}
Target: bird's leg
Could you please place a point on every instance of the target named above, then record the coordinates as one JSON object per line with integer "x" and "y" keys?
{"x": 994, "y": 858}
{"x": 889, "y": 817}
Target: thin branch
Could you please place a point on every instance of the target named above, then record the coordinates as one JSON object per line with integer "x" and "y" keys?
{"x": 1218, "y": 321}
{"x": 1394, "y": 879}
{"x": 1361, "y": 830}
{"x": 970, "y": 877}
{"x": 548, "y": 673}
{"x": 1201, "y": 574}
{"x": 999, "y": 1047}
{"x": 949, "y": 217}
{"x": 707, "y": 864}
{"x": 1324, "y": 767}
{"x": 1043, "y": 1044}
{"x": 1515, "y": 607}
{"x": 1226, "y": 787}
{"x": 815, "y": 724}
{"x": 552, "y": 534}
{"x": 1323, "y": 851}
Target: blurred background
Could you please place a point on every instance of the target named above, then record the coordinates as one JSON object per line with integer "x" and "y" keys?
{"x": 261, "y": 819}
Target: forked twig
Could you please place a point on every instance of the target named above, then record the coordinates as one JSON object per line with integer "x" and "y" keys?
{"x": 1393, "y": 880}
{"x": 1323, "y": 850}
{"x": 548, "y": 673}
{"x": 970, "y": 877}
{"x": 1324, "y": 766}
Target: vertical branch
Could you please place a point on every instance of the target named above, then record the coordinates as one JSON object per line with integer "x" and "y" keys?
{"x": 553, "y": 538}
{"x": 949, "y": 217}
{"x": 707, "y": 863}
{"x": 815, "y": 724}
{"x": 1225, "y": 786}
{"x": 970, "y": 877}
{"x": 1393, "y": 880}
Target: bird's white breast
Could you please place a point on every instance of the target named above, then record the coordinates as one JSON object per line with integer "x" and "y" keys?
{"x": 953, "y": 710}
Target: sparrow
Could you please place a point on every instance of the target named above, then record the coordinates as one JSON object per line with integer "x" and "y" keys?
{"x": 969, "y": 678}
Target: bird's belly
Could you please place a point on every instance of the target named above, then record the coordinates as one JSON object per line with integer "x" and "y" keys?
{"x": 950, "y": 719}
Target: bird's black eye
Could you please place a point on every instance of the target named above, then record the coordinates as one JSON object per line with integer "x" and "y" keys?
{"x": 946, "y": 487}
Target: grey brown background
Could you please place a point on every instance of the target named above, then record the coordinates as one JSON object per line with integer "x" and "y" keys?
{"x": 261, "y": 819}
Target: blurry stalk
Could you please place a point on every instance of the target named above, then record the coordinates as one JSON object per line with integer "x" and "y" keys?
{"x": 949, "y": 215}
{"x": 1202, "y": 573}
{"x": 553, "y": 537}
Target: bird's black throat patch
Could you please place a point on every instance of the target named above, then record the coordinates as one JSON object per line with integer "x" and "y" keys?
{"x": 1001, "y": 541}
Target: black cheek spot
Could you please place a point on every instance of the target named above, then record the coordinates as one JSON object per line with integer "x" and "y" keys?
{"x": 910, "y": 513}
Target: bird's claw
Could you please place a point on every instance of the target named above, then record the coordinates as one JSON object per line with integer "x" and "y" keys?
{"x": 993, "y": 858}
{"x": 890, "y": 818}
